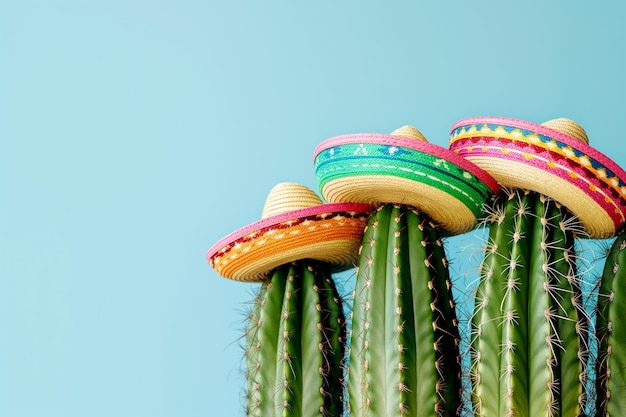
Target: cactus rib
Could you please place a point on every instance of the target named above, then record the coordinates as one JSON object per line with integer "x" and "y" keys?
{"x": 528, "y": 329}
{"x": 295, "y": 344}
{"x": 404, "y": 357}
{"x": 487, "y": 343}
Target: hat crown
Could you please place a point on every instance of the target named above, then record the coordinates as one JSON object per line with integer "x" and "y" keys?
{"x": 408, "y": 131}
{"x": 288, "y": 196}
{"x": 569, "y": 127}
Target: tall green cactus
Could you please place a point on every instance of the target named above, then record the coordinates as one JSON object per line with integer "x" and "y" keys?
{"x": 611, "y": 333}
{"x": 529, "y": 329}
{"x": 404, "y": 354}
{"x": 295, "y": 344}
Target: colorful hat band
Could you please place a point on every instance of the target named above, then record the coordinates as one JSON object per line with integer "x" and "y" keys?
{"x": 362, "y": 155}
{"x": 327, "y": 236}
{"x": 602, "y": 192}
{"x": 545, "y": 153}
{"x": 565, "y": 147}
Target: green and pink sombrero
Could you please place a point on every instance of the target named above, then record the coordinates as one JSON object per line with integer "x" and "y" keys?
{"x": 553, "y": 159}
{"x": 294, "y": 225}
{"x": 404, "y": 168}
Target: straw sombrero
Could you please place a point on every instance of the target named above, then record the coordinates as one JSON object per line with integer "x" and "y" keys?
{"x": 404, "y": 168}
{"x": 294, "y": 225}
{"x": 554, "y": 159}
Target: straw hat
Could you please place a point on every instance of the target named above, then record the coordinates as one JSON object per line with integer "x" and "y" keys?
{"x": 554, "y": 159}
{"x": 294, "y": 225}
{"x": 404, "y": 168}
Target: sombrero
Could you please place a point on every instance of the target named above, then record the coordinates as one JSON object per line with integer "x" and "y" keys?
{"x": 554, "y": 159}
{"x": 403, "y": 168}
{"x": 294, "y": 225}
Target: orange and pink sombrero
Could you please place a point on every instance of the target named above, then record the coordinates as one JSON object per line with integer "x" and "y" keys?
{"x": 554, "y": 159}
{"x": 294, "y": 225}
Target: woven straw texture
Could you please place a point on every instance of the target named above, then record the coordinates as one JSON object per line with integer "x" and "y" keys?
{"x": 446, "y": 210}
{"x": 286, "y": 197}
{"x": 377, "y": 169}
{"x": 553, "y": 159}
{"x": 569, "y": 127}
{"x": 295, "y": 225}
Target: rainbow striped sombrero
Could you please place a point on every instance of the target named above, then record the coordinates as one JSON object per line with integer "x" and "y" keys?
{"x": 554, "y": 159}
{"x": 294, "y": 225}
{"x": 404, "y": 168}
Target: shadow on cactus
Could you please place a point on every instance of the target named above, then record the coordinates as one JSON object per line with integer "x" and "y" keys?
{"x": 295, "y": 338}
{"x": 611, "y": 332}
{"x": 530, "y": 331}
{"x": 404, "y": 340}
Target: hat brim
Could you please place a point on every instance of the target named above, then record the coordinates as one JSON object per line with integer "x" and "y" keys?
{"x": 329, "y": 233}
{"x": 377, "y": 168}
{"x": 521, "y": 154}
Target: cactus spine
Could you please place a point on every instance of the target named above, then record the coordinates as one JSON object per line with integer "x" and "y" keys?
{"x": 404, "y": 354}
{"x": 295, "y": 344}
{"x": 611, "y": 333}
{"x": 528, "y": 329}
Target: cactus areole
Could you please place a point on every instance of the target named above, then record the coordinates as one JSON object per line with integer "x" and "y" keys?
{"x": 404, "y": 339}
{"x": 529, "y": 341}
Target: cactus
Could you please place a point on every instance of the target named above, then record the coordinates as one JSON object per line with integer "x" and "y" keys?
{"x": 529, "y": 347}
{"x": 611, "y": 333}
{"x": 295, "y": 344}
{"x": 404, "y": 353}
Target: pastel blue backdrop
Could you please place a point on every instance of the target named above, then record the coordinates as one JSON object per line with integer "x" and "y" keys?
{"x": 135, "y": 134}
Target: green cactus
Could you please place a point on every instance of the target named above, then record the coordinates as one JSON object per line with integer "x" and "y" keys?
{"x": 404, "y": 353}
{"x": 295, "y": 344}
{"x": 529, "y": 329}
{"x": 611, "y": 333}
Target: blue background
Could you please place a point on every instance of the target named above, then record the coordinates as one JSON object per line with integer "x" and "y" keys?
{"x": 135, "y": 134}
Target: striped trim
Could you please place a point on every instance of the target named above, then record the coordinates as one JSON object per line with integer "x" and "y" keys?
{"x": 252, "y": 256}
